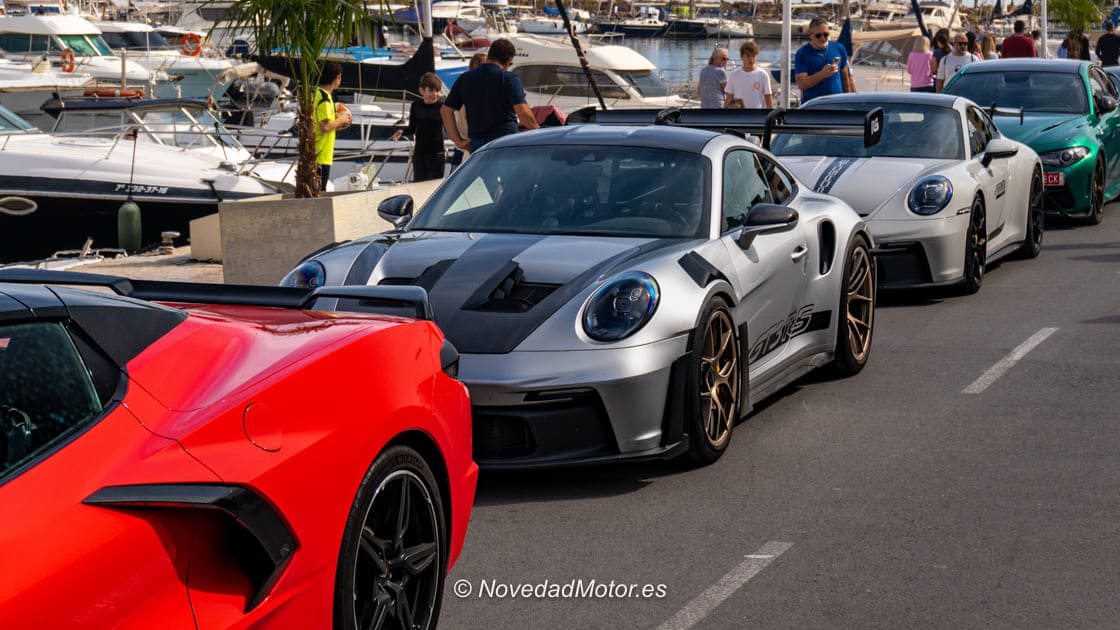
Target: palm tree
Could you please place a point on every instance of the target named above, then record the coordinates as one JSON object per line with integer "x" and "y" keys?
{"x": 303, "y": 29}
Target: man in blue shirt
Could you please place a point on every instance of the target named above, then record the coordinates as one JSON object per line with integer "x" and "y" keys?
{"x": 821, "y": 67}
{"x": 494, "y": 98}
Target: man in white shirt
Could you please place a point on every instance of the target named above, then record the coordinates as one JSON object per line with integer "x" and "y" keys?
{"x": 954, "y": 61}
{"x": 749, "y": 85}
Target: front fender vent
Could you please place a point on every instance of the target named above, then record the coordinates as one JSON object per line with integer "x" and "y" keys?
{"x": 826, "y": 232}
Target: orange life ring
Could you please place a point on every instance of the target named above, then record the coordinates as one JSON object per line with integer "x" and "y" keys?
{"x": 191, "y": 44}
{"x": 115, "y": 93}
{"x": 68, "y": 60}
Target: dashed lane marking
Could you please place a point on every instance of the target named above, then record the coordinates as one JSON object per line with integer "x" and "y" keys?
{"x": 1007, "y": 362}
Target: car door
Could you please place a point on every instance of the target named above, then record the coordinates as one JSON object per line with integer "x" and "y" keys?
{"x": 63, "y": 437}
{"x": 769, "y": 273}
{"x": 1108, "y": 124}
{"x": 993, "y": 177}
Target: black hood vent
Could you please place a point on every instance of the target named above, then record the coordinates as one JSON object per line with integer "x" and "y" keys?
{"x": 510, "y": 293}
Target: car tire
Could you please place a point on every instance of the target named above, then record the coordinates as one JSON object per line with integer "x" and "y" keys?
{"x": 714, "y": 385}
{"x": 1036, "y": 219}
{"x": 855, "y": 323}
{"x": 1096, "y": 195}
{"x": 393, "y": 560}
{"x": 975, "y": 249}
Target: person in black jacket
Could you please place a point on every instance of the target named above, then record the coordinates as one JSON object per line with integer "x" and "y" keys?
{"x": 1108, "y": 46}
{"x": 425, "y": 125}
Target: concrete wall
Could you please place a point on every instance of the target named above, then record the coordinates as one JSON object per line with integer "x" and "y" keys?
{"x": 263, "y": 238}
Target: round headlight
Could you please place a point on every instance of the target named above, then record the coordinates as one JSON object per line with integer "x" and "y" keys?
{"x": 930, "y": 196}
{"x": 309, "y": 274}
{"x": 1064, "y": 157}
{"x": 621, "y": 307}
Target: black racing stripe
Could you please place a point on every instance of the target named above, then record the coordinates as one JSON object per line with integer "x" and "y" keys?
{"x": 832, "y": 174}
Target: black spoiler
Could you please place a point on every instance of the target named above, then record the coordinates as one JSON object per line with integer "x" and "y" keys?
{"x": 369, "y": 297}
{"x": 1013, "y": 112}
{"x": 761, "y": 122}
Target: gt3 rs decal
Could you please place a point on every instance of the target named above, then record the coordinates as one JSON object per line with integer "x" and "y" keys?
{"x": 831, "y": 174}
{"x": 801, "y": 321}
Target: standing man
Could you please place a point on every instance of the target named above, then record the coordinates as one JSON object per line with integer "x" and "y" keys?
{"x": 713, "y": 79}
{"x": 749, "y": 84}
{"x": 821, "y": 67}
{"x": 494, "y": 98}
{"x": 1018, "y": 45}
{"x": 1108, "y": 46}
{"x": 326, "y": 120}
{"x": 954, "y": 61}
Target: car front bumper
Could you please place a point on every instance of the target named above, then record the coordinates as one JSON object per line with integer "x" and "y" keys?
{"x": 539, "y": 409}
{"x": 920, "y": 252}
{"x": 1073, "y": 198}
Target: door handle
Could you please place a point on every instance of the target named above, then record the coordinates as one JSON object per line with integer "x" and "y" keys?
{"x": 799, "y": 253}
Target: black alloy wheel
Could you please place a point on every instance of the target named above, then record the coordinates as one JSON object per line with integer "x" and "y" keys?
{"x": 1096, "y": 199}
{"x": 857, "y": 311}
{"x": 714, "y": 383}
{"x": 1036, "y": 219}
{"x": 394, "y": 552}
{"x": 975, "y": 249}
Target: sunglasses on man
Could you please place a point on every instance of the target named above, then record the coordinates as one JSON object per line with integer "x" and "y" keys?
{"x": 820, "y": 35}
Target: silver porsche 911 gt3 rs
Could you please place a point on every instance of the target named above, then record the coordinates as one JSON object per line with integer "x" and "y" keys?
{"x": 623, "y": 292}
{"x": 943, "y": 192}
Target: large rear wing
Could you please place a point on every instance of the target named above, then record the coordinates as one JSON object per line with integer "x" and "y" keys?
{"x": 369, "y": 298}
{"x": 1011, "y": 112}
{"x": 760, "y": 122}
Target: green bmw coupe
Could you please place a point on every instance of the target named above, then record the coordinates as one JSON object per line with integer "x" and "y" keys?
{"x": 1069, "y": 119}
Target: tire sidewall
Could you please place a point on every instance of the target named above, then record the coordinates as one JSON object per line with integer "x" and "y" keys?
{"x": 392, "y": 459}
{"x": 844, "y": 362}
{"x": 701, "y": 449}
{"x": 972, "y": 283}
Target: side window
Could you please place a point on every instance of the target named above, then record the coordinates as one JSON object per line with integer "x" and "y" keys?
{"x": 744, "y": 185}
{"x": 978, "y": 135}
{"x": 781, "y": 184}
{"x": 989, "y": 127}
{"x": 46, "y": 391}
{"x": 1100, "y": 84}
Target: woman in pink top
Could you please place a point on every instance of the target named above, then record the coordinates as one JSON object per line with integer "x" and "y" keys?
{"x": 920, "y": 65}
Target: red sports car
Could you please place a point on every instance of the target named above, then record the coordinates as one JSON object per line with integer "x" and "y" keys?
{"x": 226, "y": 457}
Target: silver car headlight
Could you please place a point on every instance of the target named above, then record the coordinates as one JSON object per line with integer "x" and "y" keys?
{"x": 1064, "y": 157}
{"x": 930, "y": 196}
{"x": 309, "y": 274}
{"x": 621, "y": 307}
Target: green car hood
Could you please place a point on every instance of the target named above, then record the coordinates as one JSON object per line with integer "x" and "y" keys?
{"x": 1047, "y": 132}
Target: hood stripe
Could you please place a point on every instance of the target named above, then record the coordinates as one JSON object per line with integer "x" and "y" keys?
{"x": 832, "y": 174}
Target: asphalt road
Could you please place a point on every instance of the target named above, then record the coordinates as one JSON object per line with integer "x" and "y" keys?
{"x": 891, "y": 499}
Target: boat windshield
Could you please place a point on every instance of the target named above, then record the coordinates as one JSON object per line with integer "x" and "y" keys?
{"x": 193, "y": 128}
{"x": 575, "y": 190}
{"x": 10, "y": 122}
{"x": 909, "y": 131}
{"x": 648, "y": 85}
{"x": 85, "y": 45}
{"x": 136, "y": 40}
{"x": 1033, "y": 90}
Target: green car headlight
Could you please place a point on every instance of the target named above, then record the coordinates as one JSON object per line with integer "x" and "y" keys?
{"x": 1064, "y": 157}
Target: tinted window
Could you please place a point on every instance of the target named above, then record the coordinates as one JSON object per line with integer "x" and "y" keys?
{"x": 566, "y": 81}
{"x": 921, "y": 131}
{"x": 781, "y": 184}
{"x": 646, "y": 83}
{"x": 744, "y": 184}
{"x": 46, "y": 391}
{"x": 978, "y": 134}
{"x": 575, "y": 189}
{"x": 1034, "y": 91}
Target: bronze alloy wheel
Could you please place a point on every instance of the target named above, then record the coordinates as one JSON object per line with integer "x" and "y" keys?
{"x": 861, "y": 304}
{"x": 719, "y": 378}
{"x": 395, "y": 578}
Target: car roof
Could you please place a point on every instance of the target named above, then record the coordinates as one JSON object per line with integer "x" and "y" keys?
{"x": 914, "y": 98}
{"x": 1071, "y": 66}
{"x": 646, "y": 136}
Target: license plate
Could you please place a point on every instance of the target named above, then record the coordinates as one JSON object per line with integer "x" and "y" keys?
{"x": 1054, "y": 179}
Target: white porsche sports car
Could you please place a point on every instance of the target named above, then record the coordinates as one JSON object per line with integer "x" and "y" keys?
{"x": 943, "y": 192}
{"x": 628, "y": 289}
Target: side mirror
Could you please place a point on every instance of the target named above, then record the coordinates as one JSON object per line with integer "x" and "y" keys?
{"x": 1104, "y": 103}
{"x": 997, "y": 149}
{"x": 764, "y": 218}
{"x": 396, "y": 209}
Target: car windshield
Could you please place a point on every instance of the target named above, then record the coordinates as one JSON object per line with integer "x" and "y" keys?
{"x": 575, "y": 190}
{"x": 1034, "y": 91}
{"x": 909, "y": 131}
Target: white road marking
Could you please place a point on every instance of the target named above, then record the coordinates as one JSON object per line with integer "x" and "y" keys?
{"x": 1007, "y": 362}
{"x": 706, "y": 602}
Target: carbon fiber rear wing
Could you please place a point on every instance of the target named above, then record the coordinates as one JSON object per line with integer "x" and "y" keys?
{"x": 369, "y": 298}
{"x": 761, "y": 122}
{"x": 1013, "y": 112}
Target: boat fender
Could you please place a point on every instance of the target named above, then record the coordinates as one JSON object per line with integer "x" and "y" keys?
{"x": 191, "y": 44}
{"x": 68, "y": 60}
{"x": 117, "y": 93}
{"x": 128, "y": 226}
